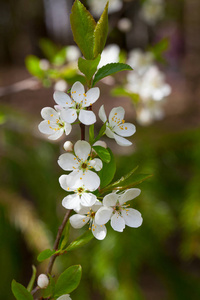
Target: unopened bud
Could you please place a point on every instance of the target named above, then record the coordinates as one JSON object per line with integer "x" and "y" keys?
{"x": 100, "y": 143}
{"x": 68, "y": 146}
{"x": 64, "y": 297}
{"x": 42, "y": 281}
{"x": 92, "y": 163}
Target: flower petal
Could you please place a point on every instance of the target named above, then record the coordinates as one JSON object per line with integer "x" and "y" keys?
{"x": 88, "y": 199}
{"x": 121, "y": 141}
{"x": 98, "y": 164}
{"x": 82, "y": 149}
{"x": 45, "y": 127}
{"x": 91, "y": 96}
{"x": 78, "y": 221}
{"x": 126, "y": 129}
{"x": 129, "y": 195}
{"x": 62, "y": 99}
{"x": 77, "y": 91}
{"x": 117, "y": 222}
{"x": 68, "y": 128}
{"x": 110, "y": 199}
{"x": 99, "y": 231}
{"x": 58, "y": 133}
{"x": 132, "y": 217}
{"x": 91, "y": 180}
{"x": 63, "y": 182}
{"x": 71, "y": 201}
{"x": 69, "y": 115}
{"x": 116, "y": 115}
{"x": 102, "y": 114}
{"x": 68, "y": 162}
{"x": 48, "y": 113}
{"x": 109, "y": 133}
{"x": 87, "y": 117}
{"x": 103, "y": 215}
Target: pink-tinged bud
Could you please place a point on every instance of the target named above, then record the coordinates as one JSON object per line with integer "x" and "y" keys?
{"x": 42, "y": 281}
{"x": 68, "y": 146}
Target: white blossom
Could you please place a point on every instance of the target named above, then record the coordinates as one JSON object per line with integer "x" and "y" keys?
{"x": 87, "y": 216}
{"x": 77, "y": 105}
{"x": 116, "y": 128}
{"x": 64, "y": 297}
{"x": 81, "y": 192}
{"x": 72, "y": 53}
{"x": 152, "y": 11}
{"x": 53, "y": 124}
{"x": 140, "y": 61}
{"x": 43, "y": 281}
{"x": 109, "y": 55}
{"x": 115, "y": 209}
{"x": 81, "y": 164}
{"x": 97, "y": 6}
{"x": 124, "y": 24}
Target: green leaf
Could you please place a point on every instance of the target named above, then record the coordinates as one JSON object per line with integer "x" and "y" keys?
{"x": 107, "y": 173}
{"x": 49, "y": 291}
{"x": 32, "y": 63}
{"x": 80, "y": 241}
{"x": 123, "y": 179}
{"x": 68, "y": 281}
{"x": 101, "y": 132}
{"x": 65, "y": 236}
{"x": 91, "y": 134}
{"x": 48, "y": 48}
{"x": 32, "y": 280}
{"x": 101, "y": 32}
{"x": 60, "y": 57}
{"x": 45, "y": 254}
{"x": 20, "y": 292}
{"x": 159, "y": 48}
{"x": 103, "y": 153}
{"x": 120, "y": 91}
{"x": 110, "y": 69}
{"x": 83, "y": 26}
{"x": 88, "y": 67}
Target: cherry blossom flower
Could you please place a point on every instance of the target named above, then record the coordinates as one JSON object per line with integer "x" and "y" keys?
{"x": 116, "y": 128}
{"x": 140, "y": 61}
{"x": 81, "y": 164}
{"x": 77, "y": 105}
{"x": 53, "y": 123}
{"x": 115, "y": 209}
{"x": 81, "y": 196}
{"x": 97, "y": 6}
{"x": 87, "y": 215}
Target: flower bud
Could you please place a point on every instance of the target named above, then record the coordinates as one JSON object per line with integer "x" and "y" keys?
{"x": 43, "y": 281}
{"x": 61, "y": 85}
{"x": 68, "y": 146}
{"x": 64, "y": 297}
{"x": 100, "y": 143}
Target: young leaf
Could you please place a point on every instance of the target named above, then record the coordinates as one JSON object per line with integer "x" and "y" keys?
{"x": 20, "y": 292}
{"x": 48, "y": 48}
{"x": 120, "y": 91}
{"x": 91, "y": 134}
{"x": 68, "y": 281}
{"x": 110, "y": 69}
{"x": 80, "y": 241}
{"x": 100, "y": 32}
{"x": 101, "y": 132}
{"x": 107, "y": 173}
{"x": 32, "y": 280}
{"x": 122, "y": 179}
{"x": 83, "y": 26}
{"x": 88, "y": 67}
{"x": 32, "y": 63}
{"x": 45, "y": 254}
{"x": 65, "y": 236}
{"x": 103, "y": 153}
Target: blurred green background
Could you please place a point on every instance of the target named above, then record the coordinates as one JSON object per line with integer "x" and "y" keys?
{"x": 159, "y": 260}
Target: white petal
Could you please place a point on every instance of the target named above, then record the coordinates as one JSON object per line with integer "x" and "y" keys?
{"x": 110, "y": 199}
{"x": 91, "y": 96}
{"x": 58, "y": 133}
{"x": 98, "y": 164}
{"x": 91, "y": 180}
{"x": 50, "y": 114}
{"x": 102, "y": 114}
{"x": 69, "y": 115}
{"x": 129, "y": 195}
{"x": 63, "y": 182}
{"x": 109, "y": 133}
{"x": 88, "y": 199}
{"x": 68, "y": 162}
{"x": 117, "y": 222}
{"x": 77, "y": 91}
{"x": 99, "y": 231}
{"x": 82, "y": 149}
{"x": 116, "y": 115}
{"x": 44, "y": 127}
{"x": 103, "y": 215}
{"x": 68, "y": 128}
{"x": 121, "y": 141}
{"x": 87, "y": 117}
{"x": 96, "y": 206}
{"x": 132, "y": 217}
{"x": 78, "y": 221}
{"x": 126, "y": 129}
{"x": 64, "y": 297}
{"x": 62, "y": 99}
{"x": 71, "y": 201}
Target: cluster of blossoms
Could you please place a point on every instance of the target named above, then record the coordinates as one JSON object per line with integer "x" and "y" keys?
{"x": 82, "y": 181}
{"x": 149, "y": 83}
